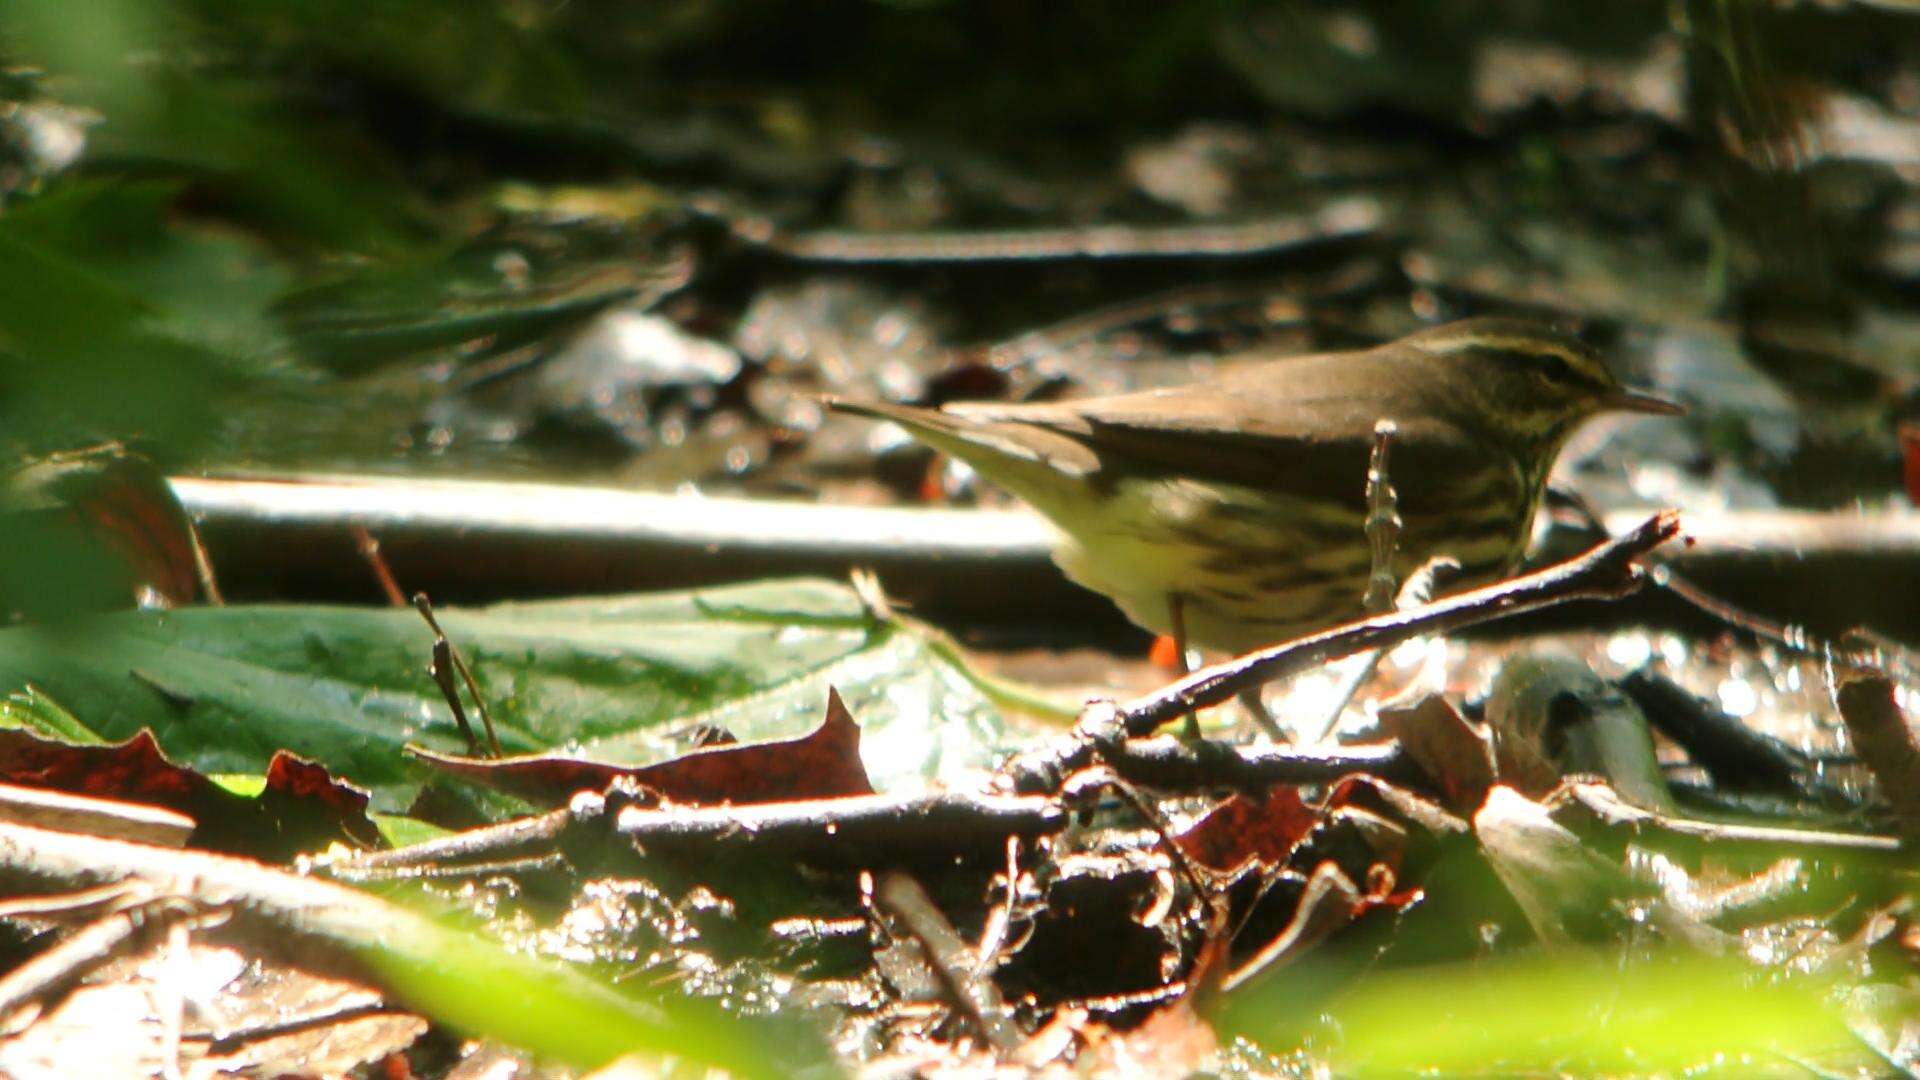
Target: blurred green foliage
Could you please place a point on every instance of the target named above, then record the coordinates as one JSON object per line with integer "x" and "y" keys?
{"x": 1567, "y": 1014}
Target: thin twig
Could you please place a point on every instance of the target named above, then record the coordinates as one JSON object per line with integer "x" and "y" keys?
{"x": 1859, "y": 647}
{"x": 141, "y": 822}
{"x": 522, "y": 838}
{"x": 443, "y": 652}
{"x": 898, "y": 895}
{"x": 1787, "y": 635}
{"x": 203, "y": 567}
{"x": 369, "y": 549}
{"x": 1175, "y": 765}
{"x": 1082, "y": 784}
{"x": 1607, "y": 571}
{"x": 1790, "y": 636}
{"x": 993, "y": 933}
{"x": 860, "y": 829}
{"x": 440, "y": 669}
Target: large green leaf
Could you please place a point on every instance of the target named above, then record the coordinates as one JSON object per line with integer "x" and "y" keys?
{"x": 620, "y": 678}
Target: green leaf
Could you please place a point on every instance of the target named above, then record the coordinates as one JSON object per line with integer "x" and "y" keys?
{"x": 30, "y": 708}
{"x": 1568, "y": 1013}
{"x": 620, "y": 678}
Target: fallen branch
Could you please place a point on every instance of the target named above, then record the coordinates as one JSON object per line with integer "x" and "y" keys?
{"x": 521, "y": 838}
{"x": 1735, "y": 755}
{"x": 1607, "y": 571}
{"x": 949, "y": 960}
{"x": 862, "y": 829}
{"x": 1175, "y": 764}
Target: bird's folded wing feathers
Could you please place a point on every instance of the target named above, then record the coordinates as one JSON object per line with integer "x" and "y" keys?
{"x": 1139, "y": 435}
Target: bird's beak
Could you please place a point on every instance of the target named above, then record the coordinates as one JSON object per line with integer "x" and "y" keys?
{"x": 1627, "y": 399}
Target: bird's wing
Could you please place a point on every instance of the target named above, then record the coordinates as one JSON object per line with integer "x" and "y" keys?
{"x": 1315, "y": 449}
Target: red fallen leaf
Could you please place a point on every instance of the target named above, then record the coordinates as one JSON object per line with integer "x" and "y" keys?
{"x": 303, "y": 807}
{"x": 1243, "y": 828}
{"x": 822, "y": 764}
{"x": 304, "y": 797}
{"x": 134, "y": 771}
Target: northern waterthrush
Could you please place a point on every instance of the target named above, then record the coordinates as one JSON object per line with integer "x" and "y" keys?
{"x": 1242, "y": 499}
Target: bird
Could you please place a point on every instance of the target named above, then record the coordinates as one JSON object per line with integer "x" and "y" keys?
{"x": 1231, "y": 512}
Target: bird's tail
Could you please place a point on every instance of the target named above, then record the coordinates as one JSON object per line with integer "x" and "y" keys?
{"x": 1032, "y": 462}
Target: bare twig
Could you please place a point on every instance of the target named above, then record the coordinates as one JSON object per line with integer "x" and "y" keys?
{"x": 898, "y": 895}
{"x": 864, "y": 830}
{"x": 1607, "y": 571}
{"x": 1736, "y": 755}
{"x": 993, "y": 934}
{"x": 521, "y": 838}
{"x": 203, "y": 567}
{"x": 1787, "y": 635}
{"x": 1177, "y": 765}
{"x": 445, "y": 655}
{"x": 1084, "y": 783}
{"x": 1667, "y": 579}
{"x": 369, "y": 549}
{"x": 859, "y": 829}
{"x": 440, "y": 669}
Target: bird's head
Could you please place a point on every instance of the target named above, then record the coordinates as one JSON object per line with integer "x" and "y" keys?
{"x": 1529, "y": 381}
